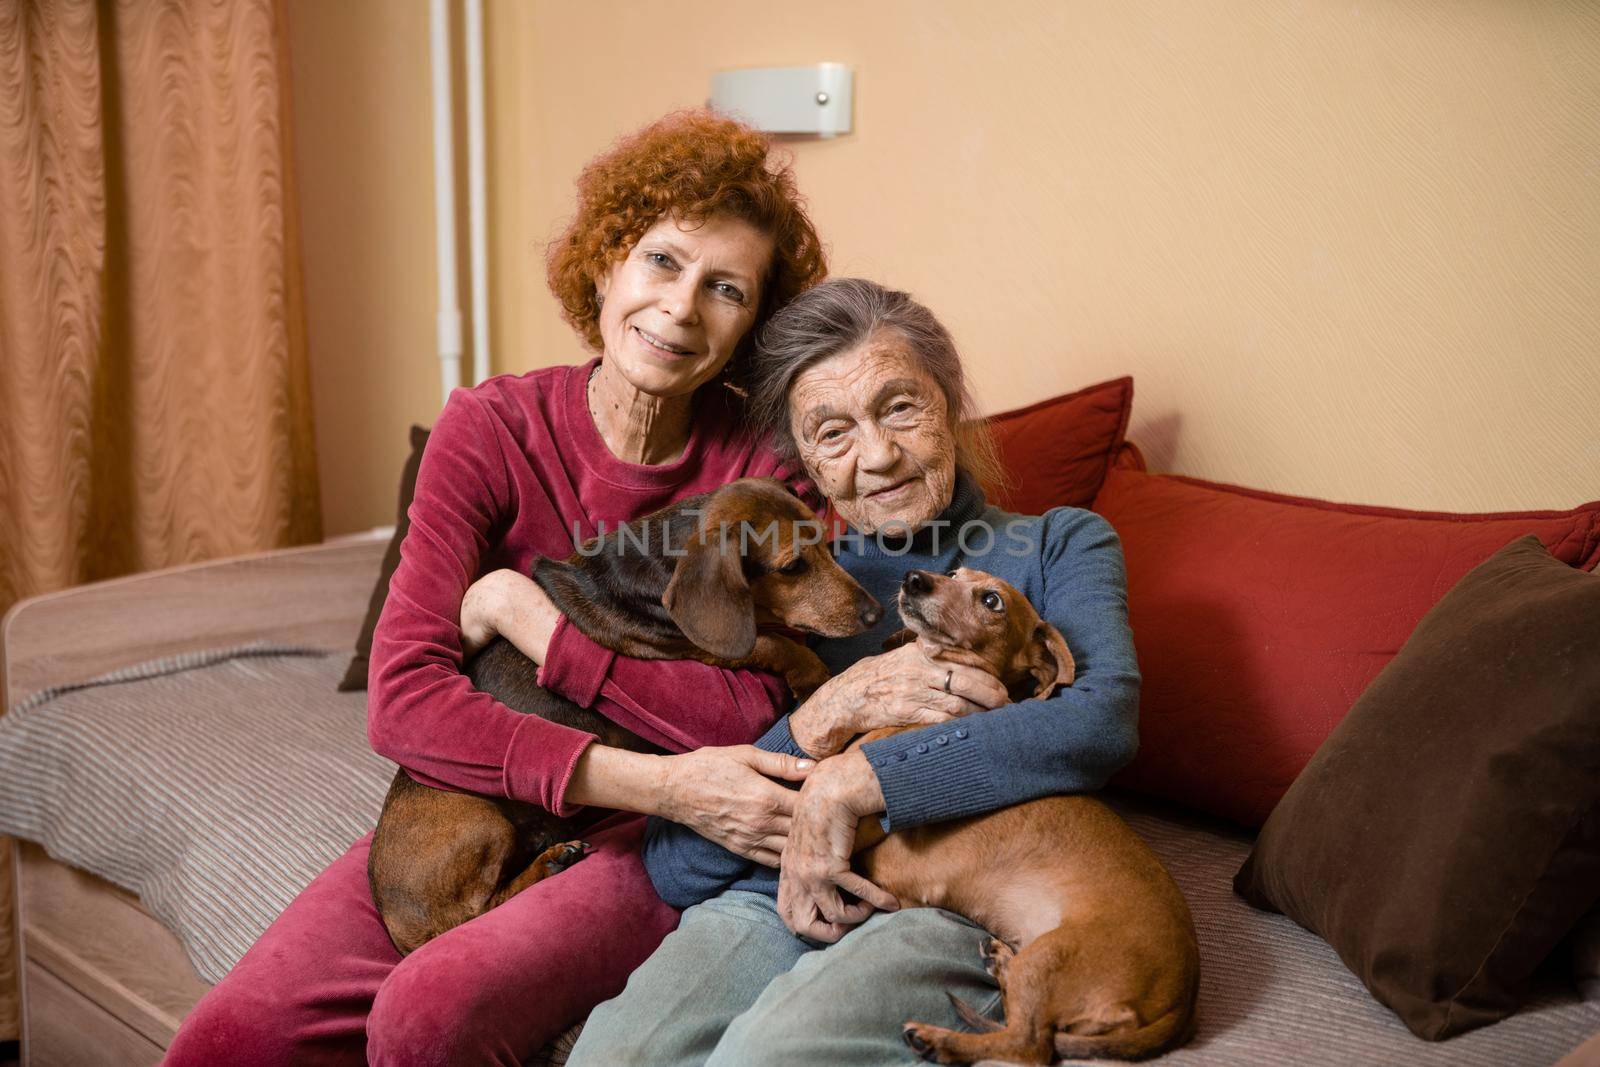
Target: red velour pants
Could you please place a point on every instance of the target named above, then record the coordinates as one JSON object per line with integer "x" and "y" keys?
{"x": 324, "y": 985}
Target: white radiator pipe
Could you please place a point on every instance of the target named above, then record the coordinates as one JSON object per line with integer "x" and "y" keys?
{"x": 477, "y": 199}
{"x": 444, "y": 200}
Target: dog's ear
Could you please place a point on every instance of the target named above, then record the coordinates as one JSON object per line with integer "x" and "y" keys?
{"x": 709, "y": 598}
{"x": 902, "y": 636}
{"x": 1052, "y": 662}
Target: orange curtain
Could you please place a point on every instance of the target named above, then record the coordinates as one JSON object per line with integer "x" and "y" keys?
{"x": 154, "y": 392}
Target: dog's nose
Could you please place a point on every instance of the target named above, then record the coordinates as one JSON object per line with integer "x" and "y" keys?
{"x": 916, "y": 583}
{"x": 870, "y": 612}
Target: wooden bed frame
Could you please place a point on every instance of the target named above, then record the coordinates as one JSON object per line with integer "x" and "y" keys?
{"x": 101, "y": 980}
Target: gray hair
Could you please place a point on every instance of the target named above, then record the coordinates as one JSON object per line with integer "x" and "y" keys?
{"x": 845, "y": 313}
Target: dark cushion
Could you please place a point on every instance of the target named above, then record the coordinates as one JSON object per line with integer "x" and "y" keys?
{"x": 1058, "y": 451}
{"x": 1446, "y": 836}
{"x": 355, "y": 676}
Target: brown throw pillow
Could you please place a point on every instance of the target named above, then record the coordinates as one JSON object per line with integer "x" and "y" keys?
{"x": 355, "y": 676}
{"x": 1446, "y": 836}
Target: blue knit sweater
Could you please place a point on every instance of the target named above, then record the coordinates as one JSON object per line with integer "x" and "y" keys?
{"x": 1068, "y": 562}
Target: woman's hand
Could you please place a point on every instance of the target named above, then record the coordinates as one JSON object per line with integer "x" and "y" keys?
{"x": 899, "y": 688}
{"x": 506, "y": 603}
{"x": 816, "y": 861}
{"x": 728, "y": 796}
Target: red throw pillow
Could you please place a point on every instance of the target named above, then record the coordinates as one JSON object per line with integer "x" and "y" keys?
{"x": 1260, "y": 618}
{"x": 1059, "y": 450}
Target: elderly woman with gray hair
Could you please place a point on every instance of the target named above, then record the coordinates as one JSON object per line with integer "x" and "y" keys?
{"x": 811, "y": 963}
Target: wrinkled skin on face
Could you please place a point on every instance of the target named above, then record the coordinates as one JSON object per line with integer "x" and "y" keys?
{"x": 876, "y": 435}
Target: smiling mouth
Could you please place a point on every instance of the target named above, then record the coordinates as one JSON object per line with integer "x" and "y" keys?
{"x": 877, "y": 494}
{"x": 656, "y": 342}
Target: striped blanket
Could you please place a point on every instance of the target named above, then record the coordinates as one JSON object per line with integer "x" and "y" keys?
{"x": 162, "y": 778}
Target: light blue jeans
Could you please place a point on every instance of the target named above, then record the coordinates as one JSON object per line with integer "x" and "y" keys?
{"x": 732, "y": 987}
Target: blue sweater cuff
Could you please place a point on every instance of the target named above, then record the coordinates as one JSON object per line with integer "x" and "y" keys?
{"x": 929, "y": 775}
{"x": 779, "y": 739}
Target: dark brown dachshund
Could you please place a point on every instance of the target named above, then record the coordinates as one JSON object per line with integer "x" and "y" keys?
{"x": 1094, "y": 946}
{"x": 691, "y": 581}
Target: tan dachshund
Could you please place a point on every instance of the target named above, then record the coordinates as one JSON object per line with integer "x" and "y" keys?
{"x": 692, "y": 581}
{"x": 1094, "y": 947}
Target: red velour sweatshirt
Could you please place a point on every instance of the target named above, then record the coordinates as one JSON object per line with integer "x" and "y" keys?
{"x": 514, "y": 469}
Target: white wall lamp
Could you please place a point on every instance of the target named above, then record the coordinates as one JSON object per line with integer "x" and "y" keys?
{"x": 808, "y": 101}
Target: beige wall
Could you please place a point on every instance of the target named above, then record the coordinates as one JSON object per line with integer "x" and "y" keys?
{"x": 1346, "y": 250}
{"x": 364, "y": 141}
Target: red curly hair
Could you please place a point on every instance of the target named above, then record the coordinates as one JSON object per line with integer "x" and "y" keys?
{"x": 693, "y": 164}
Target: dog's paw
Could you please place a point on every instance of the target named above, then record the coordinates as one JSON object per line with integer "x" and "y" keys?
{"x": 932, "y": 1043}
{"x": 558, "y": 858}
{"x": 996, "y": 954}
{"x": 911, "y": 1032}
{"x": 806, "y": 679}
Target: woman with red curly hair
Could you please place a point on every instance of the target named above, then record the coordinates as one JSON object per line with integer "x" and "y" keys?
{"x": 687, "y": 236}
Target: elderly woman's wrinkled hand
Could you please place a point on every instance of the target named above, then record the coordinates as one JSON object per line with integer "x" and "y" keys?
{"x": 899, "y": 688}
{"x": 816, "y": 859}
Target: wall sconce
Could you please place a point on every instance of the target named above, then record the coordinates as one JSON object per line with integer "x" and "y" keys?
{"x": 815, "y": 100}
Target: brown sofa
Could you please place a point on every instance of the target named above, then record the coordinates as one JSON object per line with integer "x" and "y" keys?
{"x": 106, "y": 980}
